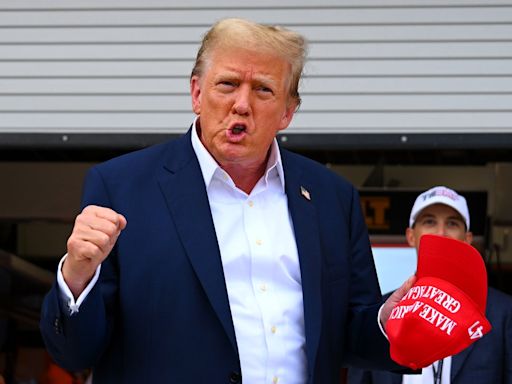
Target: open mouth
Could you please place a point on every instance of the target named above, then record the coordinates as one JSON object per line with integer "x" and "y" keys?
{"x": 238, "y": 129}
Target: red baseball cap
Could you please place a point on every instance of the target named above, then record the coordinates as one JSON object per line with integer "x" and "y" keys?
{"x": 444, "y": 311}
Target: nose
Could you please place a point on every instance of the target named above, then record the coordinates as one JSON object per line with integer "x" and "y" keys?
{"x": 242, "y": 103}
{"x": 441, "y": 230}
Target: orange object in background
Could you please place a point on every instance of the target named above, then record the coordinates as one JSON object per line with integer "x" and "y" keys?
{"x": 57, "y": 375}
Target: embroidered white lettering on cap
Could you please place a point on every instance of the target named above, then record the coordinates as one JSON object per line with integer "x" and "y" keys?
{"x": 440, "y": 195}
{"x": 444, "y": 311}
{"x": 475, "y": 331}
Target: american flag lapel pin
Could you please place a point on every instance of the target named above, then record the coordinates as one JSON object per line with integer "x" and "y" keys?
{"x": 304, "y": 192}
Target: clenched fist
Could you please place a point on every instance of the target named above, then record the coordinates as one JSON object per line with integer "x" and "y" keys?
{"x": 94, "y": 235}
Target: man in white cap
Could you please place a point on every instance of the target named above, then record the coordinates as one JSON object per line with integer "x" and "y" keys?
{"x": 442, "y": 211}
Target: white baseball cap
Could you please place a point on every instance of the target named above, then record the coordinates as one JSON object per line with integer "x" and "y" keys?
{"x": 440, "y": 195}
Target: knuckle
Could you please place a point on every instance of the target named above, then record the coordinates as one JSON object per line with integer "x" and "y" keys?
{"x": 89, "y": 251}
{"x": 73, "y": 242}
{"x": 103, "y": 240}
{"x": 89, "y": 209}
{"x": 110, "y": 229}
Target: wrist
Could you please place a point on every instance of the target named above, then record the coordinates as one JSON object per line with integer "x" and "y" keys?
{"x": 77, "y": 274}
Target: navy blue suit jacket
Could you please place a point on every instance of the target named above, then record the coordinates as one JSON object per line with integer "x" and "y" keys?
{"x": 160, "y": 311}
{"x": 487, "y": 361}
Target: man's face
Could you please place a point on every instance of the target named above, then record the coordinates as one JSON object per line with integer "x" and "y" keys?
{"x": 438, "y": 219}
{"x": 243, "y": 101}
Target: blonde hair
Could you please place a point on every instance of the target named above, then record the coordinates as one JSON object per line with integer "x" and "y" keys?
{"x": 229, "y": 33}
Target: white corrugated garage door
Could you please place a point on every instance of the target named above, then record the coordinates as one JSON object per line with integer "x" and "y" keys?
{"x": 388, "y": 66}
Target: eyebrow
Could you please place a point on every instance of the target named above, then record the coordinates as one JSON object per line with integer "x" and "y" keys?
{"x": 256, "y": 78}
{"x": 265, "y": 80}
{"x": 425, "y": 215}
{"x": 432, "y": 216}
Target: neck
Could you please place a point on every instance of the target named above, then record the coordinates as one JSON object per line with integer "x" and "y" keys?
{"x": 245, "y": 177}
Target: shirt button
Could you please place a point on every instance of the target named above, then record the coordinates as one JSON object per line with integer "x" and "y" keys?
{"x": 251, "y": 203}
{"x": 273, "y": 329}
{"x": 263, "y": 287}
{"x": 259, "y": 242}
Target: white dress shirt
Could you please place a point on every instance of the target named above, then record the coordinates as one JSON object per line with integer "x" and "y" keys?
{"x": 427, "y": 374}
{"x": 261, "y": 268}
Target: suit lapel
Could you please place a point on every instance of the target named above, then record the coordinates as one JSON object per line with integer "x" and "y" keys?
{"x": 303, "y": 213}
{"x": 458, "y": 361}
{"x": 182, "y": 184}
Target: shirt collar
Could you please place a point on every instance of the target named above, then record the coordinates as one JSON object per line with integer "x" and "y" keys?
{"x": 209, "y": 166}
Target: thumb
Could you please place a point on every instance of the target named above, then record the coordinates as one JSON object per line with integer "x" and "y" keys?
{"x": 122, "y": 222}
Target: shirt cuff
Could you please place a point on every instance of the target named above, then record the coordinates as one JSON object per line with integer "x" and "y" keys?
{"x": 65, "y": 293}
{"x": 380, "y": 324}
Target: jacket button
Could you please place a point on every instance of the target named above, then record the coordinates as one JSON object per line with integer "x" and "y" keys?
{"x": 235, "y": 377}
{"x": 57, "y": 327}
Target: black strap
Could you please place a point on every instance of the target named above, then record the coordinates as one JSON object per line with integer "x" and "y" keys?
{"x": 438, "y": 373}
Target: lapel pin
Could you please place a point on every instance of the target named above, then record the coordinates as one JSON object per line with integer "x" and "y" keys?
{"x": 304, "y": 192}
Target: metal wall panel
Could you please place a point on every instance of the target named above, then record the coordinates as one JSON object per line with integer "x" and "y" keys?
{"x": 375, "y": 66}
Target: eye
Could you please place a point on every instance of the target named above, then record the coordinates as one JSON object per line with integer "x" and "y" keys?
{"x": 264, "y": 89}
{"x": 226, "y": 84}
{"x": 428, "y": 221}
{"x": 454, "y": 223}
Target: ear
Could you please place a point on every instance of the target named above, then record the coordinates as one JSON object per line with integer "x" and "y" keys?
{"x": 410, "y": 237}
{"x": 287, "y": 117}
{"x": 468, "y": 237}
{"x": 195, "y": 92}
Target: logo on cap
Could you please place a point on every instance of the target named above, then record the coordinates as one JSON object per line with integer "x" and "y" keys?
{"x": 440, "y": 195}
{"x": 475, "y": 331}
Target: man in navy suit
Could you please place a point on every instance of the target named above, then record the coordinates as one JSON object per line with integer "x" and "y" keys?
{"x": 220, "y": 256}
{"x": 443, "y": 211}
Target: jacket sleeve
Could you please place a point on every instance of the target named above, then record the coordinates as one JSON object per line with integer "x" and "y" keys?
{"x": 366, "y": 344}
{"x": 77, "y": 341}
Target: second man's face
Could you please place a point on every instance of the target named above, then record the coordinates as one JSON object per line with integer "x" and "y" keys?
{"x": 438, "y": 219}
{"x": 243, "y": 101}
